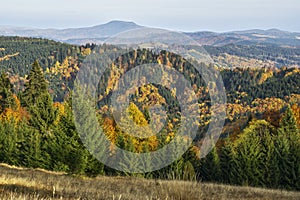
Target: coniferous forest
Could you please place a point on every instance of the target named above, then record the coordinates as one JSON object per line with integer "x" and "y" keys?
{"x": 259, "y": 145}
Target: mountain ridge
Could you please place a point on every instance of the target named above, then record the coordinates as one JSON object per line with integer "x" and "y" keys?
{"x": 98, "y": 34}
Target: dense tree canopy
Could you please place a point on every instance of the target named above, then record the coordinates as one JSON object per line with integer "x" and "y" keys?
{"x": 259, "y": 145}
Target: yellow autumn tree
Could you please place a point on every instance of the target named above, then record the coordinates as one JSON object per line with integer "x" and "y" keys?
{"x": 15, "y": 114}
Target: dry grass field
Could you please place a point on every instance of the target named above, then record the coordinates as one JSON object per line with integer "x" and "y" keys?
{"x": 19, "y": 183}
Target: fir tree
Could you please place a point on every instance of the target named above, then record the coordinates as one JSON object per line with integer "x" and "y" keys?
{"x": 288, "y": 123}
{"x": 210, "y": 166}
{"x": 8, "y": 143}
{"x": 288, "y": 151}
{"x": 38, "y": 100}
{"x": 35, "y": 86}
{"x": 6, "y": 93}
{"x": 228, "y": 162}
{"x": 43, "y": 114}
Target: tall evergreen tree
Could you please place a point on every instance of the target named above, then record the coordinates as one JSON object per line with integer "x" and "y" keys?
{"x": 228, "y": 162}
{"x": 38, "y": 100}
{"x": 8, "y": 143}
{"x": 65, "y": 147}
{"x": 6, "y": 93}
{"x": 210, "y": 166}
{"x": 288, "y": 123}
{"x": 43, "y": 114}
{"x": 255, "y": 155}
{"x": 288, "y": 151}
{"x": 35, "y": 86}
{"x": 31, "y": 151}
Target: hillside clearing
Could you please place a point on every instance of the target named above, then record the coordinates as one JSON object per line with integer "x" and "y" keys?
{"x": 19, "y": 183}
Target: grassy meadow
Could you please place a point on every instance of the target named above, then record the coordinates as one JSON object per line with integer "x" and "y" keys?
{"x": 22, "y": 183}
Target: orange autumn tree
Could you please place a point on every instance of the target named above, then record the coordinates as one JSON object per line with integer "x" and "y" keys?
{"x": 10, "y": 107}
{"x": 296, "y": 111}
{"x": 16, "y": 113}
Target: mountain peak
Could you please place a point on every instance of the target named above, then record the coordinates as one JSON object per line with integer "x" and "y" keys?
{"x": 118, "y": 25}
{"x": 101, "y": 32}
{"x": 121, "y": 22}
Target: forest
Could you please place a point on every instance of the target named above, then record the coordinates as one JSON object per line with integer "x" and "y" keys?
{"x": 281, "y": 55}
{"x": 260, "y": 141}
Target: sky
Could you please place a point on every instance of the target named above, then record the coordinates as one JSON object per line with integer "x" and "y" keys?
{"x": 180, "y": 15}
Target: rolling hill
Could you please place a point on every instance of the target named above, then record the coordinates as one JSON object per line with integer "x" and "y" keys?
{"x": 97, "y": 34}
{"x": 72, "y": 35}
{"x": 24, "y": 183}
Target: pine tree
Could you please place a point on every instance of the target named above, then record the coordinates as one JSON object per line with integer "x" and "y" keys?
{"x": 38, "y": 101}
{"x": 188, "y": 171}
{"x": 147, "y": 161}
{"x": 248, "y": 156}
{"x": 288, "y": 123}
{"x": 228, "y": 162}
{"x": 210, "y": 167}
{"x": 93, "y": 167}
{"x": 255, "y": 150}
{"x": 43, "y": 114}
{"x": 8, "y": 143}
{"x": 86, "y": 121}
{"x": 127, "y": 161}
{"x": 31, "y": 152}
{"x": 288, "y": 151}
{"x": 35, "y": 86}
{"x": 6, "y": 93}
{"x": 283, "y": 161}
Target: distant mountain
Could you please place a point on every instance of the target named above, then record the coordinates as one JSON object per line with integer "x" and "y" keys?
{"x": 256, "y": 36}
{"x": 97, "y": 34}
{"x": 73, "y": 35}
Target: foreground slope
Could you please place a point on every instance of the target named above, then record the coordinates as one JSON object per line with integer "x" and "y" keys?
{"x": 21, "y": 183}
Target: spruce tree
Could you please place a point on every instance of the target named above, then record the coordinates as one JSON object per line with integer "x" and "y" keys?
{"x": 288, "y": 151}
{"x": 31, "y": 152}
{"x": 284, "y": 162}
{"x": 6, "y": 93}
{"x": 210, "y": 167}
{"x": 38, "y": 101}
{"x": 35, "y": 86}
{"x": 86, "y": 121}
{"x": 288, "y": 123}
{"x": 43, "y": 114}
{"x": 255, "y": 154}
{"x": 8, "y": 143}
{"x": 228, "y": 162}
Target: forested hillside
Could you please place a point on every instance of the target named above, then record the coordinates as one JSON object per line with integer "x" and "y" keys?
{"x": 259, "y": 145}
{"x": 269, "y": 55}
{"x": 58, "y": 60}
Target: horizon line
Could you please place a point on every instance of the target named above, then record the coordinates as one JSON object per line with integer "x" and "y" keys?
{"x": 125, "y": 21}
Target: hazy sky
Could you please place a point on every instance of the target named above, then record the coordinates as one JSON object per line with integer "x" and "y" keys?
{"x": 183, "y": 15}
